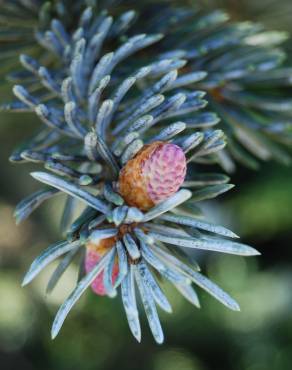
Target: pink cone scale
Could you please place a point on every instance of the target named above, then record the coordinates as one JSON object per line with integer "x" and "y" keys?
{"x": 164, "y": 172}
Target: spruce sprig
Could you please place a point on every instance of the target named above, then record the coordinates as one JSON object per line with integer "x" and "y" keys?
{"x": 117, "y": 94}
{"x": 97, "y": 118}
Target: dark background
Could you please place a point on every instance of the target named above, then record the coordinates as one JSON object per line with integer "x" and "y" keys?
{"x": 95, "y": 335}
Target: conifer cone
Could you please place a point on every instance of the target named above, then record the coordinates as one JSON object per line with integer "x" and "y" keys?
{"x": 94, "y": 252}
{"x": 154, "y": 174}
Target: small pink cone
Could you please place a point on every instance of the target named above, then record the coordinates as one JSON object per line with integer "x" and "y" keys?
{"x": 91, "y": 259}
{"x": 156, "y": 172}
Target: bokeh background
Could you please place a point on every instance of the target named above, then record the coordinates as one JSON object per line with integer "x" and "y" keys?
{"x": 96, "y": 336}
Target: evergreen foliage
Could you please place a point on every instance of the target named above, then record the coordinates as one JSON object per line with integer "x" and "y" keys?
{"x": 104, "y": 88}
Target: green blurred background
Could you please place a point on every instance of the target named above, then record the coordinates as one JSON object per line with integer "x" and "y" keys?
{"x": 96, "y": 336}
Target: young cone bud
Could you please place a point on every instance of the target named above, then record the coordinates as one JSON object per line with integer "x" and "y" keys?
{"x": 94, "y": 252}
{"x": 153, "y": 175}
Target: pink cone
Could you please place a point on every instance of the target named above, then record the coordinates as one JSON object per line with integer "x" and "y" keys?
{"x": 156, "y": 172}
{"x": 91, "y": 259}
